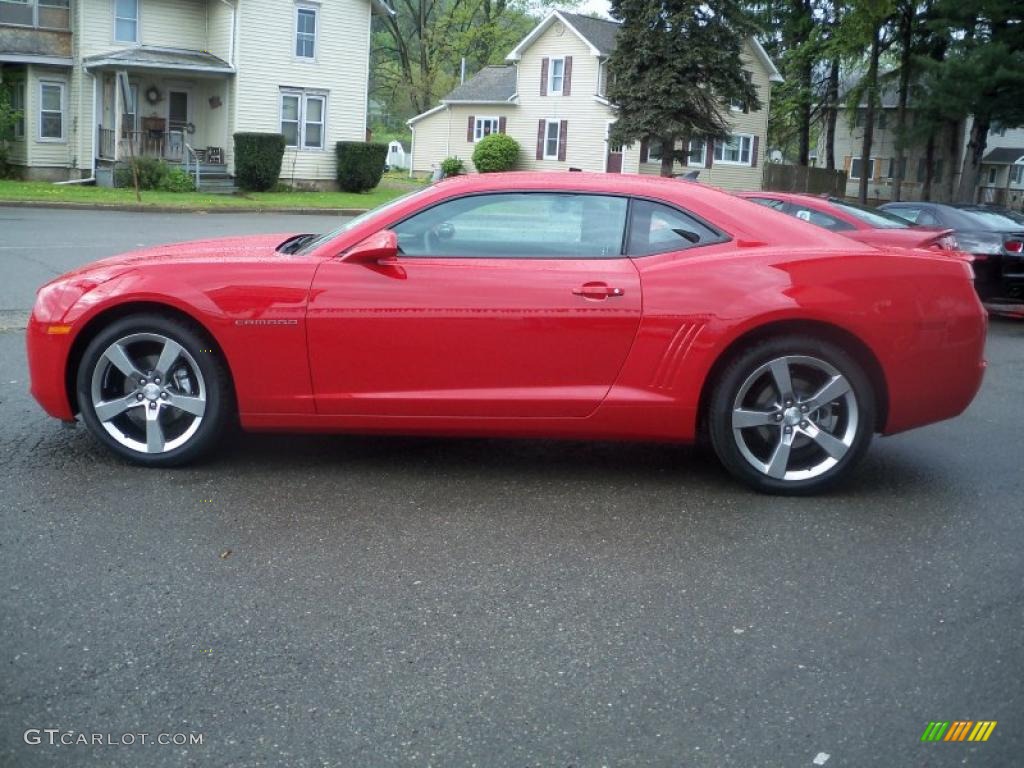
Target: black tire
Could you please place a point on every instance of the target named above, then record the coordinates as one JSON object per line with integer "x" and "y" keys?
{"x": 846, "y": 422}
{"x": 212, "y": 383}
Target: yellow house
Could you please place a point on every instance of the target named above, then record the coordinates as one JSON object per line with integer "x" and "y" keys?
{"x": 550, "y": 97}
{"x": 175, "y": 79}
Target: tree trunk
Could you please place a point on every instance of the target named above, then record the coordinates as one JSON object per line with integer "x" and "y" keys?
{"x": 906, "y": 43}
{"x": 972, "y": 159}
{"x": 806, "y": 73}
{"x": 949, "y": 184}
{"x": 929, "y": 162}
{"x": 668, "y": 155}
{"x": 871, "y": 92}
{"x": 831, "y": 114}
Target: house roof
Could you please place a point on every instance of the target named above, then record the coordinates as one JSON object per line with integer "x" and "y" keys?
{"x": 493, "y": 84}
{"x": 1004, "y": 156}
{"x": 147, "y": 57}
{"x": 600, "y": 33}
{"x": 600, "y": 36}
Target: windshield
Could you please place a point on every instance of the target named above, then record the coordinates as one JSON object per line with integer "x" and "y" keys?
{"x": 872, "y": 216}
{"x": 381, "y": 210}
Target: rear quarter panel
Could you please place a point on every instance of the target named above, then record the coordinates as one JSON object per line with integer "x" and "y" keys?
{"x": 917, "y": 314}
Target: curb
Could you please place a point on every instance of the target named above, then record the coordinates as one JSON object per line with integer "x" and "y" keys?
{"x": 174, "y": 209}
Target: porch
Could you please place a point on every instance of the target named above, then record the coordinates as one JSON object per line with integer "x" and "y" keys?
{"x": 169, "y": 105}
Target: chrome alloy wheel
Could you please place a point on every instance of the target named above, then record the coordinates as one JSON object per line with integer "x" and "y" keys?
{"x": 148, "y": 393}
{"x": 795, "y": 417}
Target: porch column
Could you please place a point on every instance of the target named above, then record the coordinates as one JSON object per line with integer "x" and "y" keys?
{"x": 120, "y": 75}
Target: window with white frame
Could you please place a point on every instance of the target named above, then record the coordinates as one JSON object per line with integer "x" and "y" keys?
{"x": 51, "y": 111}
{"x": 551, "y": 139}
{"x": 304, "y": 119}
{"x": 735, "y": 149}
{"x": 485, "y": 126}
{"x": 654, "y": 151}
{"x": 1017, "y": 174}
{"x": 556, "y": 76}
{"x": 126, "y": 21}
{"x": 698, "y": 152}
{"x": 305, "y": 32}
{"x": 18, "y": 106}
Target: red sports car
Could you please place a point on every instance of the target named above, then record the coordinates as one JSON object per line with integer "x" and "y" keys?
{"x": 868, "y": 225}
{"x": 565, "y": 305}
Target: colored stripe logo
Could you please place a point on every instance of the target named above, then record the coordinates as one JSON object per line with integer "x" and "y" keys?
{"x": 958, "y": 730}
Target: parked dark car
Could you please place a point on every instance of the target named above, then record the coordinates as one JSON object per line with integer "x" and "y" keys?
{"x": 995, "y": 239}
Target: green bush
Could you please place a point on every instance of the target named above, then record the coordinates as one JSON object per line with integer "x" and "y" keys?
{"x": 178, "y": 180}
{"x": 360, "y": 165}
{"x": 152, "y": 173}
{"x": 452, "y": 166}
{"x": 258, "y": 160}
{"x": 497, "y": 152}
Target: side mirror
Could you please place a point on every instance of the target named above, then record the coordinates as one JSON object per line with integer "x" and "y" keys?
{"x": 378, "y": 248}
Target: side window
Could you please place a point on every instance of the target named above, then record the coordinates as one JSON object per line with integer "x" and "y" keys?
{"x": 926, "y": 219}
{"x": 819, "y": 218}
{"x": 540, "y": 225}
{"x": 658, "y": 228}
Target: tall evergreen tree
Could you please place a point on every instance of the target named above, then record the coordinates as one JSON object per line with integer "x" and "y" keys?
{"x": 676, "y": 67}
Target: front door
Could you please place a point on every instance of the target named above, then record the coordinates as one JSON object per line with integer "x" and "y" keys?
{"x": 499, "y": 305}
{"x": 179, "y": 118}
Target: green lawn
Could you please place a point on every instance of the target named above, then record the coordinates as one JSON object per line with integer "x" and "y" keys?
{"x": 36, "y": 191}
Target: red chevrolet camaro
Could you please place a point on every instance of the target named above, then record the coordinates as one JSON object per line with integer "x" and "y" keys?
{"x": 564, "y": 305}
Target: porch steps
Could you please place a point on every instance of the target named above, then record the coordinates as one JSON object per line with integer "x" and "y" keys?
{"x": 213, "y": 178}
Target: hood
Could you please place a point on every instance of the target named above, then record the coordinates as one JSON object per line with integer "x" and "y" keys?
{"x": 249, "y": 248}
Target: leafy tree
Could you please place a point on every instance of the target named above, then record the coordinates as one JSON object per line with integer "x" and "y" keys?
{"x": 675, "y": 68}
{"x": 9, "y": 117}
{"x": 981, "y": 75}
{"x": 417, "y": 53}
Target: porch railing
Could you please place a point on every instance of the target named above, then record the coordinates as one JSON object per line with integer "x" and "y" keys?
{"x": 165, "y": 145}
{"x": 193, "y": 155}
{"x": 107, "y": 142}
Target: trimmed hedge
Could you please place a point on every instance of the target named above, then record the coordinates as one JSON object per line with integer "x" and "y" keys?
{"x": 258, "y": 160}
{"x": 494, "y": 153}
{"x": 360, "y": 165}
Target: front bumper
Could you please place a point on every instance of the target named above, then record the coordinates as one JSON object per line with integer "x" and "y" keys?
{"x": 47, "y": 366}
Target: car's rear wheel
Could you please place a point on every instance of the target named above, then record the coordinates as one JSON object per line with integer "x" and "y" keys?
{"x": 153, "y": 390}
{"x": 791, "y": 415}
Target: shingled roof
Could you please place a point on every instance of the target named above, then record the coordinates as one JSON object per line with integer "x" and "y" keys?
{"x": 1004, "y": 155}
{"x": 600, "y": 33}
{"x": 491, "y": 84}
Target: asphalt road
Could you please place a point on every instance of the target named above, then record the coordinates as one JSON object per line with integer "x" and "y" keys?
{"x": 352, "y": 601}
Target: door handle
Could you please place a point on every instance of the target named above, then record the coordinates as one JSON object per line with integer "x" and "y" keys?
{"x": 597, "y": 291}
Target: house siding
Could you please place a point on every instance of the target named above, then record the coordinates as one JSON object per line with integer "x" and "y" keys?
{"x": 587, "y": 118}
{"x": 443, "y": 134}
{"x": 266, "y": 63}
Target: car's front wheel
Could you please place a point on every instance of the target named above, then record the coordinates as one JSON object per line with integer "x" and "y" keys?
{"x": 153, "y": 390}
{"x": 791, "y": 415}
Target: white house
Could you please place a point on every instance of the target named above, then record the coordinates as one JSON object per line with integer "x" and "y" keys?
{"x": 551, "y": 98}
{"x": 175, "y": 79}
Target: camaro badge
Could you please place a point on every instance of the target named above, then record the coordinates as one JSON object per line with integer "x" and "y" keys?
{"x": 266, "y": 322}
